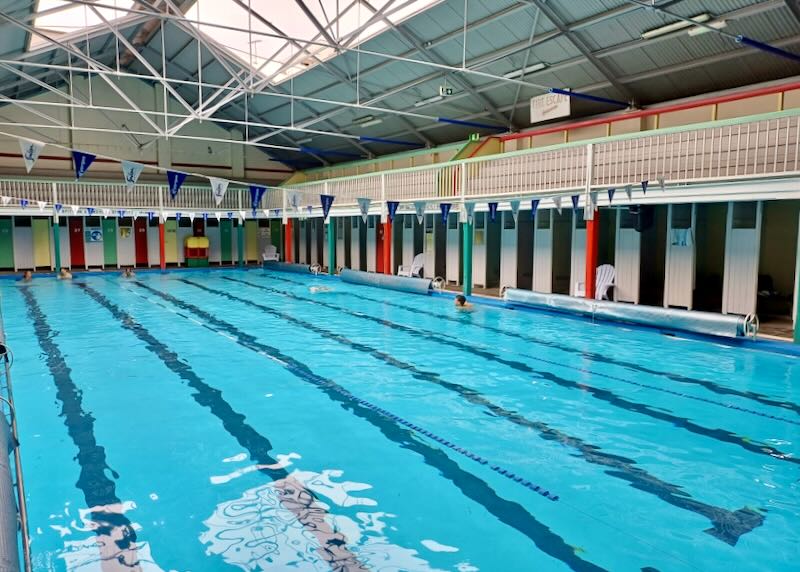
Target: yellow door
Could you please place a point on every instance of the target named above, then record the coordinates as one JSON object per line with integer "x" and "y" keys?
{"x": 171, "y": 241}
{"x": 41, "y": 243}
{"x": 251, "y": 240}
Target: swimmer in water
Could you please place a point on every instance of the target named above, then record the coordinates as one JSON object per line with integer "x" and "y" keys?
{"x": 318, "y": 289}
{"x": 128, "y": 273}
{"x": 27, "y": 276}
{"x": 65, "y": 274}
{"x": 461, "y": 303}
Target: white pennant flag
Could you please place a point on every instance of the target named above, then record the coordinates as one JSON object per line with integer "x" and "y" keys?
{"x": 588, "y": 209}
{"x": 514, "y": 209}
{"x": 106, "y": 212}
{"x": 191, "y": 216}
{"x": 557, "y": 203}
{"x": 218, "y": 188}
{"x": 266, "y": 212}
{"x": 363, "y": 206}
{"x": 218, "y": 215}
{"x": 293, "y": 200}
{"x": 131, "y": 172}
{"x": 468, "y": 212}
{"x": 628, "y": 190}
{"x": 242, "y": 215}
{"x": 6, "y": 200}
{"x": 419, "y": 208}
{"x": 74, "y": 209}
{"x": 136, "y": 214}
{"x": 30, "y": 152}
{"x": 41, "y": 205}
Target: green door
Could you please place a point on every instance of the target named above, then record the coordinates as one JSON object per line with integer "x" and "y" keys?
{"x": 275, "y": 235}
{"x": 225, "y": 241}
{"x": 109, "y": 241}
{"x": 6, "y": 243}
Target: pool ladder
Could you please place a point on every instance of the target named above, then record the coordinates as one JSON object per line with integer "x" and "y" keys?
{"x": 18, "y": 482}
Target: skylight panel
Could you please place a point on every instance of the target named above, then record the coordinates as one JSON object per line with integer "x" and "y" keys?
{"x": 59, "y": 17}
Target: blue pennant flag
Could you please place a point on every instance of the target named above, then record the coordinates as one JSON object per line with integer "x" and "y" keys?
{"x": 121, "y": 213}
{"x": 256, "y": 194}
{"x": 327, "y": 201}
{"x": 205, "y": 216}
{"x": 644, "y": 187}
{"x": 492, "y": 211}
{"x": 150, "y": 215}
{"x": 58, "y": 207}
{"x": 230, "y": 215}
{"x": 391, "y": 206}
{"x": 534, "y": 208}
{"x": 611, "y": 195}
{"x": 445, "y": 211}
{"x": 175, "y": 179}
{"x": 177, "y": 216}
{"x": 23, "y": 203}
{"x": 90, "y": 210}
{"x": 82, "y": 162}
{"x": 575, "y": 199}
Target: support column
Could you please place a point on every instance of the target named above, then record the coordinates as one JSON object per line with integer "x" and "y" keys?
{"x": 287, "y": 241}
{"x": 57, "y": 243}
{"x": 331, "y": 246}
{"x": 592, "y": 243}
{"x": 161, "y": 251}
{"x": 387, "y": 247}
{"x": 466, "y": 279}
{"x": 240, "y": 243}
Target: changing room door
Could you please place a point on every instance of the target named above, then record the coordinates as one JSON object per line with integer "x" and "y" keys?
{"x": 578, "y": 257}
{"x": 680, "y": 259}
{"x": 542, "y": 280}
{"x": 627, "y": 257}
{"x": 508, "y": 251}
{"x": 742, "y": 248}
{"x": 225, "y": 241}
{"x": 453, "y": 248}
{"x": 355, "y": 242}
{"x": 140, "y": 238}
{"x": 6, "y": 243}
{"x": 171, "y": 241}
{"x": 41, "y": 243}
{"x": 109, "y": 226}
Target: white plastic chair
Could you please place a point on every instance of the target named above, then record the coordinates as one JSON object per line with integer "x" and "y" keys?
{"x": 414, "y": 270}
{"x": 604, "y": 279}
{"x": 270, "y": 253}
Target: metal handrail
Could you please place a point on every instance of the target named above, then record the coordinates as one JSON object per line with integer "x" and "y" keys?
{"x": 19, "y": 481}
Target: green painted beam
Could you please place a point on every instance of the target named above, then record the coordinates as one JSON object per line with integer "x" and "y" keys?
{"x": 466, "y": 279}
{"x": 240, "y": 243}
{"x": 57, "y": 243}
{"x": 331, "y": 246}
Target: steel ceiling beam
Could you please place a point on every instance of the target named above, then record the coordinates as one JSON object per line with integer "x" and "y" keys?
{"x": 317, "y": 24}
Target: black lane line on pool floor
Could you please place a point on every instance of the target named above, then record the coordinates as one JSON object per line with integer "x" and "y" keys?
{"x": 257, "y": 445}
{"x": 610, "y": 397}
{"x": 98, "y": 489}
{"x": 709, "y": 385}
{"x": 508, "y": 512}
{"x": 728, "y": 526}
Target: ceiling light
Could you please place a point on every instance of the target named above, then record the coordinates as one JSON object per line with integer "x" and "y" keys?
{"x": 716, "y": 24}
{"x": 306, "y": 140}
{"x": 526, "y": 71}
{"x": 371, "y": 122}
{"x": 674, "y": 27}
{"x": 433, "y": 99}
{"x": 363, "y": 120}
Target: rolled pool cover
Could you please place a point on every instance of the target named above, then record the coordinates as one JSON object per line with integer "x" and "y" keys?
{"x": 401, "y": 283}
{"x": 287, "y": 267}
{"x": 669, "y": 318}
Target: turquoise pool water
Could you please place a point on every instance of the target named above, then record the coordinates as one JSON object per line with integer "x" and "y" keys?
{"x": 237, "y": 420}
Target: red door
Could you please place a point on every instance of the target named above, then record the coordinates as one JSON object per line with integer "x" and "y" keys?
{"x": 378, "y": 246}
{"x": 76, "y": 252}
{"x": 140, "y": 240}
{"x": 198, "y": 227}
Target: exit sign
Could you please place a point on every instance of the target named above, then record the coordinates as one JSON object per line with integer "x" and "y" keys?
{"x": 549, "y": 106}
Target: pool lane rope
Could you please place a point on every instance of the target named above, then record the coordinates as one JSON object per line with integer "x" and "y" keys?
{"x": 538, "y": 489}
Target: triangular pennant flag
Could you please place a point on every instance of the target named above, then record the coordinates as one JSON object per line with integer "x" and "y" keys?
{"x": 218, "y": 189}
{"x": 135, "y": 214}
{"x": 178, "y": 216}
{"x": 277, "y": 212}
{"x": 74, "y": 209}
{"x": 30, "y": 152}
{"x": 242, "y": 215}
{"x": 593, "y": 195}
{"x": 391, "y": 207}
{"x": 644, "y": 187}
{"x": 327, "y": 201}
{"x": 492, "y": 211}
{"x": 469, "y": 211}
{"x": 266, "y": 212}
{"x": 628, "y": 191}
{"x": 106, "y": 212}
{"x": 82, "y": 162}
{"x": 131, "y": 172}
{"x": 175, "y": 180}
{"x": 191, "y": 216}
{"x": 90, "y": 210}
{"x": 363, "y": 207}
{"x": 611, "y": 195}
{"x": 514, "y": 209}
{"x": 661, "y": 183}
{"x": 575, "y": 200}
{"x": 557, "y": 204}
{"x": 256, "y": 194}
{"x": 205, "y": 216}
{"x": 445, "y": 208}
{"x": 293, "y": 200}
{"x": 58, "y": 207}
{"x": 591, "y": 206}
{"x": 218, "y": 215}
{"x": 419, "y": 209}
{"x": 23, "y": 203}
{"x": 41, "y": 205}
{"x": 534, "y": 207}
{"x": 150, "y": 215}
{"x": 5, "y": 200}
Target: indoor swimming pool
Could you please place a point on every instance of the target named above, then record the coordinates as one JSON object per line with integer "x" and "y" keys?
{"x": 244, "y": 420}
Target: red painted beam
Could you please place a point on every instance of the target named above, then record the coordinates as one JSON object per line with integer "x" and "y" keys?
{"x": 592, "y": 242}
{"x": 288, "y": 240}
{"x": 387, "y": 247}
{"x": 161, "y": 251}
